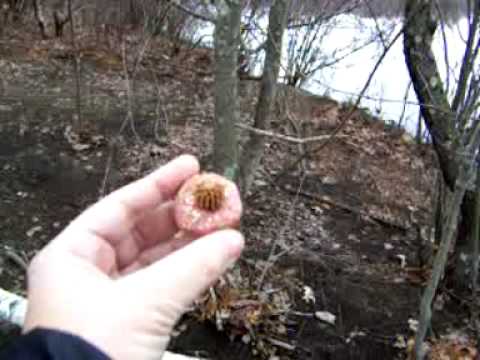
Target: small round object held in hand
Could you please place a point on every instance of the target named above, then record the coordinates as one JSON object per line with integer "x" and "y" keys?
{"x": 207, "y": 202}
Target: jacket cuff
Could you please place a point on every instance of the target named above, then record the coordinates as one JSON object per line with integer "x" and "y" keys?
{"x": 46, "y": 344}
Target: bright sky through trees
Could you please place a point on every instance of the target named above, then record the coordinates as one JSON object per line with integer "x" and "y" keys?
{"x": 344, "y": 80}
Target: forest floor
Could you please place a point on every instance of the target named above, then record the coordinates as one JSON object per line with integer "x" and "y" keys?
{"x": 351, "y": 226}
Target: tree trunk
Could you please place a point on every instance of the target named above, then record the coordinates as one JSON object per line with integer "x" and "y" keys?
{"x": 420, "y": 27}
{"x": 62, "y": 14}
{"x": 448, "y": 231}
{"x": 227, "y": 114}
{"x": 40, "y": 17}
{"x": 474, "y": 235}
{"x": 253, "y": 151}
{"x": 442, "y": 121}
{"x": 77, "y": 119}
{"x": 445, "y": 122}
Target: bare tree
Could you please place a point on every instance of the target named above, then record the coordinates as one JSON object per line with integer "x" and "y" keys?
{"x": 38, "y": 8}
{"x": 454, "y": 128}
{"x": 227, "y": 40}
{"x": 11, "y": 11}
{"x": 253, "y": 151}
{"x": 309, "y": 25}
{"x": 450, "y": 123}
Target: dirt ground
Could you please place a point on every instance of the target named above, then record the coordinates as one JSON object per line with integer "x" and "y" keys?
{"x": 351, "y": 226}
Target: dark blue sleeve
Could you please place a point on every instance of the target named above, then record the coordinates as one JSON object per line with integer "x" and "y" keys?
{"x": 44, "y": 344}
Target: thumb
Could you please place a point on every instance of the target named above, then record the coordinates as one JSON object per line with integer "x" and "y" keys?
{"x": 184, "y": 275}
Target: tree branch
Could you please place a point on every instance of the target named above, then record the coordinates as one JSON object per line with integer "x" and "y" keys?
{"x": 286, "y": 138}
{"x": 254, "y": 148}
{"x": 192, "y": 13}
{"x": 469, "y": 57}
{"x": 349, "y": 114}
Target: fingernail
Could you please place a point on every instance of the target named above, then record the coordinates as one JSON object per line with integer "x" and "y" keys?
{"x": 231, "y": 244}
{"x": 235, "y": 246}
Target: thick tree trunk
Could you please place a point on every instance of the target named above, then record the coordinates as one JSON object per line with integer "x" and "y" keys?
{"x": 475, "y": 235}
{"x": 442, "y": 120}
{"x": 227, "y": 40}
{"x": 455, "y": 148}
{"x": 420, "y": 27}
{"x": 253, "y": 151}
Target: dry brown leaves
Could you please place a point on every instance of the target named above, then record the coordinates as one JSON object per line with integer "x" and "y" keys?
{"x": 258, "y": 318}
{"x": 382, "y": 164}
{"x": 451, "y": 348}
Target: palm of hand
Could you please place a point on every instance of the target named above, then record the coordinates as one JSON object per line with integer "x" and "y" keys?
{"x": 121, "y": 274}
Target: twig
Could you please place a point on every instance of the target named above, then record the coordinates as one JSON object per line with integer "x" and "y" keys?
{"x": 16, "y": 258}
{"x": 128, "y": 85}
{"x": 287, "y": 138}
{"x": 108, "y": 167}
{"x": 76, "y": 65}
{"x": 281, "y": 344}
{"x": 192, "y": 13}
{"x": 328, "y": 200}
{"x": 113, "y": 143}
{"x": 272, "y": 257}
{"x": 350, "y": 113}
{"x": 297, "y": 129}
{"x": 160, "y": 106}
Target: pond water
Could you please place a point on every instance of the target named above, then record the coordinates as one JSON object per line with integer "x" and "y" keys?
{"x": 391, "y": 84}
{"x": 390, "y": 88}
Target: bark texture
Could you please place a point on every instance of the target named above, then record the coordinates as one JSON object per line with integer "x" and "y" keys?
{"x": 38, "y": 8}
{"x": 454, "y": 142}
{"x": 253, "y": 151}
{"x": 445, "y": 122}
{"x": 227, "y": 40}
{"x": 420, "y": 27}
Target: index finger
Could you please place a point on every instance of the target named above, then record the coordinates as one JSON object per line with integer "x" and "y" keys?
{"x": 113, "y": 217}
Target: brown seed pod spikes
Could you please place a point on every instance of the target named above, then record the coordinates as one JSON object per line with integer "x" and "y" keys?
{"x": 209, "y": 197}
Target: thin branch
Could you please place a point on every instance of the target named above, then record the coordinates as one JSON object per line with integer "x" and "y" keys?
{"x": 445, "y": 45}
{"x": 272, "y": 257}
{"x": 351, "y": 112}
{"x": 192, "y": 13}
{"x": 76, "y": 64}
{"x": 471, "y": 51}
{"x": 404, "y": 107}
{"x": 16, "y": 258}
{"x": 377, "y": 25}
{"x": 321, "y": 18}
{"x": 379, "y": 98}
{"x": 286, "y": 138}
{"x": 378, "y": 218}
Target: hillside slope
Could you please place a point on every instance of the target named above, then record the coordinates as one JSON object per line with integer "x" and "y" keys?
{"x": 346, "y": 225}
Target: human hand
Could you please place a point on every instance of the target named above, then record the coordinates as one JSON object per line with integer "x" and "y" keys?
{"x": 121, "y": 274}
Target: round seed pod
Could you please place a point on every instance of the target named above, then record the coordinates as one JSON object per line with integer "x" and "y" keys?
{"x": 207, "y": 202}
